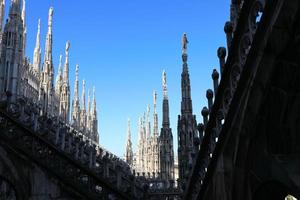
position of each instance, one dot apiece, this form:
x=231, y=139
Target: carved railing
x=239, y=39
x=66, y=153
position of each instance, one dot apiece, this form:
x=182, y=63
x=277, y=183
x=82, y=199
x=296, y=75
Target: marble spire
x=24, y=26
x=94, y=119
x=76, y=105
x=65, y=88
x=58, y=82
x=148, y=124
x=37, y=50
x=129, y=152
x=66, y=67
x=83, y=96
x=2, y=13
x=83, y=117
x=155, y=116
x=48, y=62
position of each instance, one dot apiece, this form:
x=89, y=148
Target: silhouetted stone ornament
x=205, y=111
x=221, y=52
x=228, y=28
x=200, y=127
x=215, y=75
x=209, y=94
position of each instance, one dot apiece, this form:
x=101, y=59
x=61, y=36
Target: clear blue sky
x=123, y=46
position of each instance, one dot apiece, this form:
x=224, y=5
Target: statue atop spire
x=187, y=124
x=154, y=100
x=164, y=83
x=184, y=43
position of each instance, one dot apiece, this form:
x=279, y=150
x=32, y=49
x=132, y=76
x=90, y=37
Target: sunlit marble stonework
x=35, y=80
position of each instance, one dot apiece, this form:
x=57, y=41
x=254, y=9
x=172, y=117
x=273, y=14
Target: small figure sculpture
x=184, y=43
x=67, y=46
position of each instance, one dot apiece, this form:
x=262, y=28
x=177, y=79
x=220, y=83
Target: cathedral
x=35, y=81
x=155, y=155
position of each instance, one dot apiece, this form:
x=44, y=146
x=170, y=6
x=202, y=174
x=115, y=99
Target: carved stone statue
x=67, y=46
x=184, y=43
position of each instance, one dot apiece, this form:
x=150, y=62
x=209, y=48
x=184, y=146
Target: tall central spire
x=186, y=101
x=187, y=124
x=37, y=50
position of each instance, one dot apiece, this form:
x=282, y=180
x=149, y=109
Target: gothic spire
x=94, y=120
x=59, y=77
x=94, y=109
x=48, y=47
x=166, y=120
x=76, y=96
x=155, y=117
x=88, y=112
x=83, y=96
x=2, y=10
x=166, y=138
x=141, y=129
x=37, y=50
x=129, y=153
x=186, y=101
x=66, y=67
x=148, y=125
x=76, y=106
x=83, y=117
x=24, y=25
